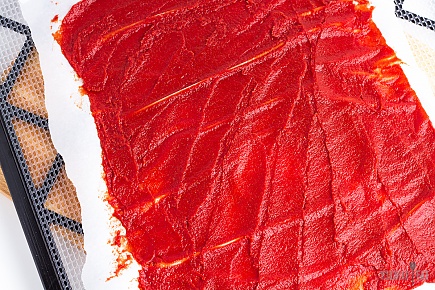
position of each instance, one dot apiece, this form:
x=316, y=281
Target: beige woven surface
x=36, y=144
x=425, y=58
x=3, y=187
x=38, y=149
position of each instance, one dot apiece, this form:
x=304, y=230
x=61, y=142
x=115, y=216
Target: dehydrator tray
x=44, y=197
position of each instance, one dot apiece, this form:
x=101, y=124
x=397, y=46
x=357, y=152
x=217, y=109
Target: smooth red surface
x=257, y=144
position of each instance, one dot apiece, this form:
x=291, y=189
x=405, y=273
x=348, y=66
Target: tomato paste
x=258, y=144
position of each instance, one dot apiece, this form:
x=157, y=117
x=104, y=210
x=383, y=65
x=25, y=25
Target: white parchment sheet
x=75, y=136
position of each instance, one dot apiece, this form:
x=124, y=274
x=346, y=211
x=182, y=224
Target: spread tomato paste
x=258, y=144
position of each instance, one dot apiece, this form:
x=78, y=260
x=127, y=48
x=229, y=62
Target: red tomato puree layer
x=258, y=144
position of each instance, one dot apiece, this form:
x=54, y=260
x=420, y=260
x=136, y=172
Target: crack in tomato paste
x=257, y=144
